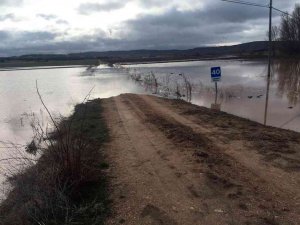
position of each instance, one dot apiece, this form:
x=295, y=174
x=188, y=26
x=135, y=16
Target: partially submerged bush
x=171, y=85
x=66, y=185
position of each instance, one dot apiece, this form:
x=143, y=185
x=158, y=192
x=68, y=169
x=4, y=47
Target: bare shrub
x=150, y=83
x=188, y=87
x=51, y=189
x=169, y=85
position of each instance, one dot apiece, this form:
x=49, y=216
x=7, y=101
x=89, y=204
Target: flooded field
x=241, y=92
x=242, y=89
x=61, y=89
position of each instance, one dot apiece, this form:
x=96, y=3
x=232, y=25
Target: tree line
x=288, y=32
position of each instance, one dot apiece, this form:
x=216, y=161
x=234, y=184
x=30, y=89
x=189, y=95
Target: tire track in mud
x=246, y=151
x=281, y=171
x=226, y=191
x=223, y=172
x=149, y=174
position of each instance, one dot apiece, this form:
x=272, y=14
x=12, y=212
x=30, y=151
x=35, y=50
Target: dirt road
x=177, y=163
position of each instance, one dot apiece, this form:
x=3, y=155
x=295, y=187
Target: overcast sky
x=63, y=26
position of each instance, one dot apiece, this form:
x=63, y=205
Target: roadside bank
x=68, y=184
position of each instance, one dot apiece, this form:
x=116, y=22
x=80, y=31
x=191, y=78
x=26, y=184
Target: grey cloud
x=10, y=2
x=217, y=22
x=88, y=8
x=226, y=12
x=51, y=17
x=9, y=16
x=285, y=5
x=187, y=29
x=80, y=45
x=17, y=43
x=60, y=21
x=21, y=39
x=47, y=16
x=37, y=36
x=45, y=42
x=152, y=3
x=4, y=36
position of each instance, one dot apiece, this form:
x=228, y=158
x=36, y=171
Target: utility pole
x=270, y=61
x=270, y=6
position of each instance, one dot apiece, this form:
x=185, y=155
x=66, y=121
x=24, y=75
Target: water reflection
x=288, y=78
x=242, y=90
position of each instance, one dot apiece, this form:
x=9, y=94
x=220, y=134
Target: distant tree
x=290, y=31
x=275, y=33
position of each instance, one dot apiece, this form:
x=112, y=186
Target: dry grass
x=66, y=185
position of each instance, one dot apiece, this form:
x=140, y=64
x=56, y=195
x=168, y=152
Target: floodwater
x=241, y=92
x=242, y=89
x=60, y=89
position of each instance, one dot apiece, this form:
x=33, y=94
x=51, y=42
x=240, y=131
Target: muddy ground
x=176, y=163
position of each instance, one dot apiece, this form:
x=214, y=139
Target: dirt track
x=176, y=163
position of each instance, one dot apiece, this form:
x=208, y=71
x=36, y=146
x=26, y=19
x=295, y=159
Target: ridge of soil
x=177, y=163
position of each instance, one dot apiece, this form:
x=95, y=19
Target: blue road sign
x=216, y=74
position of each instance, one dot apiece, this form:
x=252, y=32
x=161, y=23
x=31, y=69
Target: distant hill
x=258, y=48
x=251, y=49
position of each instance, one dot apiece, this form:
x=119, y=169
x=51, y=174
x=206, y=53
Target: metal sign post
x=216, y=77
x=216, y=97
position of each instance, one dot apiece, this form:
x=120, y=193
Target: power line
x=281, y=11
x=255, y=4
x=246, y=3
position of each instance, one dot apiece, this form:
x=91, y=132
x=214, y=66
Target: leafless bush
x=165, y=89
x=150, y=83
x=179, y=85
x=134, y=75
x=170, y=85
x=187, y=87
x=42, y=187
